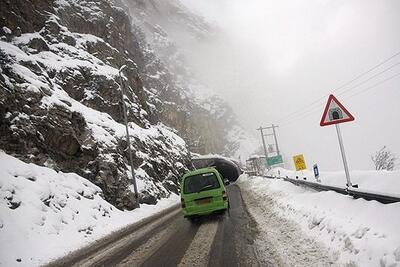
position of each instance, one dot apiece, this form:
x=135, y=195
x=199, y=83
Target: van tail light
x=183, y=203
x=224, y=195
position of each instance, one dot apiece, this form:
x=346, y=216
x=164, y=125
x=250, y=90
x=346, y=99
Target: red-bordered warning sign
x=335, y=113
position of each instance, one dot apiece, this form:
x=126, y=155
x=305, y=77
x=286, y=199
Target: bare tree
x=384, y=159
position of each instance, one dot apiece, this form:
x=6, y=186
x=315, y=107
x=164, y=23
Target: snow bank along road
x=312, y=228
x=171, y=240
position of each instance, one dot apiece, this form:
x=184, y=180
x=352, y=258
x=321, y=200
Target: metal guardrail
x=354, y=192
x=368, y=195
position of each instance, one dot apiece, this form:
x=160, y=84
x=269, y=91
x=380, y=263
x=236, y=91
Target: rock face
x=60, y=98
x=205, y=121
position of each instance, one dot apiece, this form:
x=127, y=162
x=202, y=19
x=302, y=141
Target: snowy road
x=171, y=240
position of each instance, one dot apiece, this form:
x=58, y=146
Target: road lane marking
x=199, y=250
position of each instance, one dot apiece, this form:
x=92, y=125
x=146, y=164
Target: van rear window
x=200, y=182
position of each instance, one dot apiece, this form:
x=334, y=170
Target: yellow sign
x=299, y=162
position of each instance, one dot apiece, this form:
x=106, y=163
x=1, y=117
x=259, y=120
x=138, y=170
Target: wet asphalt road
x=229, y=236
x=171, y=240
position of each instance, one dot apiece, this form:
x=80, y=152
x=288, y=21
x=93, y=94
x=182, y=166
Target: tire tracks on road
x=168, y=239
x=169, y=252
x=198, y=253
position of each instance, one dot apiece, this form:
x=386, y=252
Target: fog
x=272, y=59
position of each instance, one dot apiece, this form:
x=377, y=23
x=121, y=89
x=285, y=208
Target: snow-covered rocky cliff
x=60, y=94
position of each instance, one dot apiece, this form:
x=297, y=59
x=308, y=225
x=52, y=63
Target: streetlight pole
x=127, y=134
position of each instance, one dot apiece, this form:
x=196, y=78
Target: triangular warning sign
x=335, y=113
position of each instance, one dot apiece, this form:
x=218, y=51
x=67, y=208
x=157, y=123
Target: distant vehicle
x=203, y=192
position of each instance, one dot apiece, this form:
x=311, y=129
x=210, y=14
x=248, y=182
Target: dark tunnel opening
x=228, y=169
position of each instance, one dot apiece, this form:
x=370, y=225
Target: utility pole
x=263, y=141
x=127, y=134
x=274, y=134
x=276, y=140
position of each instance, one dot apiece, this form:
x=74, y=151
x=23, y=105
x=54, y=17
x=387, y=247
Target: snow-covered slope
x=355, y=231
x=44, y=213
x=60, y=98
x=61, y=108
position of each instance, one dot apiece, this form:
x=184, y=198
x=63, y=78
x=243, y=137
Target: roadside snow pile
x=45, y=214
x=360, y=232
x=376, y=181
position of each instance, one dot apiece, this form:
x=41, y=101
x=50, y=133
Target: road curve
x=170, y=240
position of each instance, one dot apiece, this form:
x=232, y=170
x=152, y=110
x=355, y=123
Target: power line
x=373, y=86
x=340, y=87
x=370, y=78
x=306, y=114
x=368, y=71
x=300, y=113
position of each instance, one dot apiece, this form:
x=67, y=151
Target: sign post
x=299, y=162
x=346, y=168
x=336, y=113
x=316, y=172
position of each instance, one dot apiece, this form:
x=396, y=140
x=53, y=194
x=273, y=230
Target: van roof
x=199, y=171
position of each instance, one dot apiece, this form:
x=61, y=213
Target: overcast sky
x=272, y=59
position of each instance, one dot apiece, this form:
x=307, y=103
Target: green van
x=203, y=192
